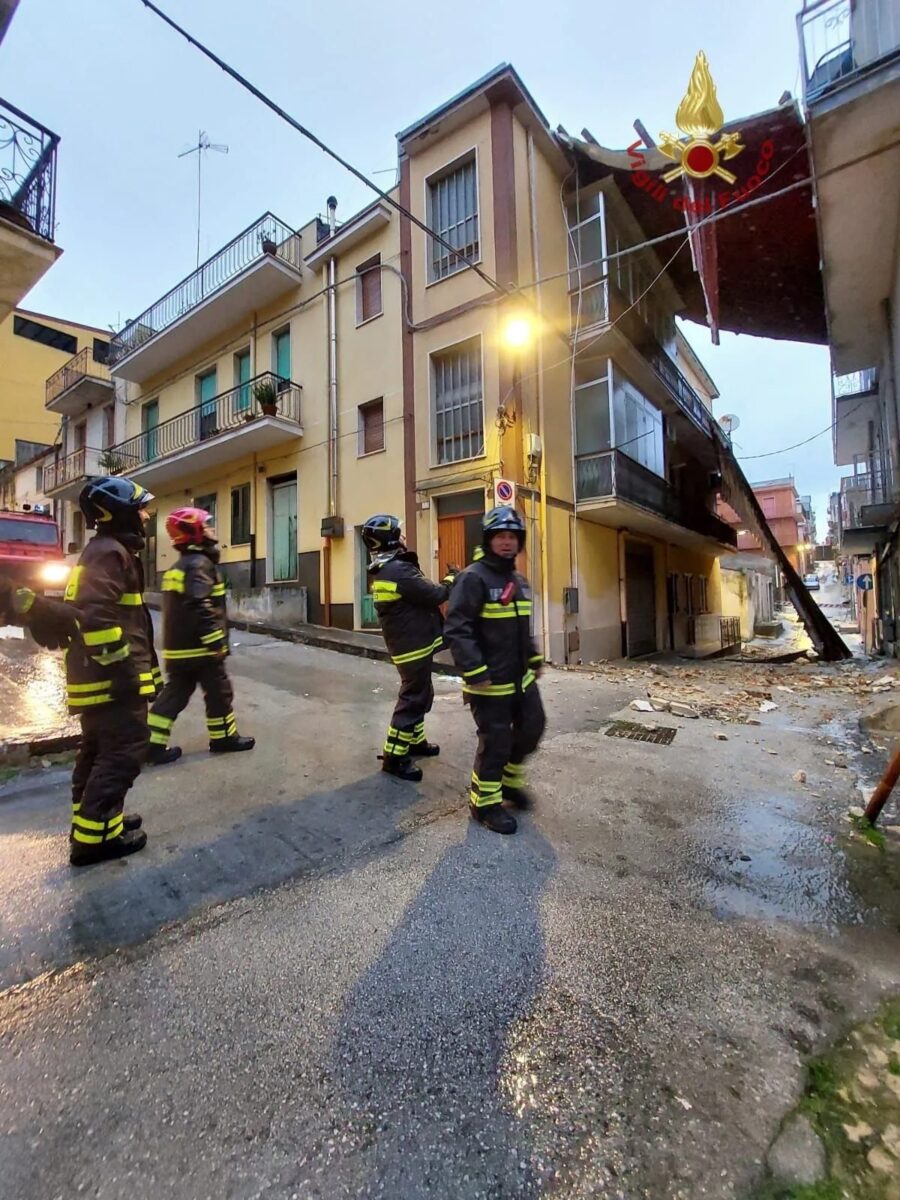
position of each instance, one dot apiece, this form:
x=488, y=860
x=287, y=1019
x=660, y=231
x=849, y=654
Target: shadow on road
x=418, y=1057
x=74, y=915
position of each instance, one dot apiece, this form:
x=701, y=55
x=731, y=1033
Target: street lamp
x=518, y=331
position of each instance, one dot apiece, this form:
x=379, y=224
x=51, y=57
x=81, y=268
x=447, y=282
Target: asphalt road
x=319, y=982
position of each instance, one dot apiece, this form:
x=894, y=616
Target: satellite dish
x=729, y=423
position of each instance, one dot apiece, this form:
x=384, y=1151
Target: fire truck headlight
x=55, y=573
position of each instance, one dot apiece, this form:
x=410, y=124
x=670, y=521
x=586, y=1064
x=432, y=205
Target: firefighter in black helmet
x=488, y=629
x=111, y=670
x=408, y=607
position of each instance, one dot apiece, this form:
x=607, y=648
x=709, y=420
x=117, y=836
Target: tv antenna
x=203, y=144
x=729, y=423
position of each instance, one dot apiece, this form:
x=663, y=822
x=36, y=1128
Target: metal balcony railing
x=229, y=410
x=709, y=627
x=267, y=236
x=856, y=383
x=78, y=465
x=28, y=170
x=613, y=474
x=82, y=366
x=839, y=38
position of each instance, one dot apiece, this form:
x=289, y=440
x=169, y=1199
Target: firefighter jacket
x=488, y=627
x=113, y=657
x=195, y=625
x=408, y=607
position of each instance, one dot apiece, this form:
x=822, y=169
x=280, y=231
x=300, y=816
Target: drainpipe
x=542, y=470
x=332, y=408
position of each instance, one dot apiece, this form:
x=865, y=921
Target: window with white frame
x=638, y=426
x=587, y=250
x=458, y=400
x=453, y=216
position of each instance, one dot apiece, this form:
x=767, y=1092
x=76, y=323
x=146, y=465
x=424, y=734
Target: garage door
x=640, y=599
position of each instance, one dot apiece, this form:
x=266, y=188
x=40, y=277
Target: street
x=319, y=981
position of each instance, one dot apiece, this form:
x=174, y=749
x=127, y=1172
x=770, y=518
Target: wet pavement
x=32, y=689
x=319, y=982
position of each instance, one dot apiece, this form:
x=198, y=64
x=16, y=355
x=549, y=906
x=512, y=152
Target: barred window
x=453, y=215
x=458, y=402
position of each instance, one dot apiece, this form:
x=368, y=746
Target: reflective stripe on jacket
x=113, y=657
x=488, y=627
x=195, y=624
x=408, y=607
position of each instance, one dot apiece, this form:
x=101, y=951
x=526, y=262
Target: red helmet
x=186, y=526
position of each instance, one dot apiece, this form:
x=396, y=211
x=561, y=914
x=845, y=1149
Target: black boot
x=519, y=798
x=402, y=768
x=158, y=756
x=132, y=821
x=231, y=745
x=83, y=855
x=424, y=750
x=494, y=817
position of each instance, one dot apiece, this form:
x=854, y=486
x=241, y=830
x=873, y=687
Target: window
x=368, y=290
x=453, y=215
x=101, y=351
x=109, y=426
x=592, y=417
x=638, y=427
x=240, y=515
x=768, y=506
x=281, y=354
x=241, y=377
x=210, y=503
x=371, y=427
x=703, y=586
x=45, y=334
x=39, y=479
x=458, y=402
x=206, y=398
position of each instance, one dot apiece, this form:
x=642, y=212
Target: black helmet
x=500, y=519
x=114, y=501
x=381, y=532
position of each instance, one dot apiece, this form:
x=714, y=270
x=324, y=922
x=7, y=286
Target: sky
x=127, y=95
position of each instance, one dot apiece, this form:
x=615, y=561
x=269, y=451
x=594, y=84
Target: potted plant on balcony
x=266, y=397
x=111, y=463
x=267, y=241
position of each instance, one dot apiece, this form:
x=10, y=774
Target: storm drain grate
x=662, y=735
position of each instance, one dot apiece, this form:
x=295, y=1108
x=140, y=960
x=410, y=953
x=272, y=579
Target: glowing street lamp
x=518, y=331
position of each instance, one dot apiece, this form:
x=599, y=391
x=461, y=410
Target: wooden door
x=451, y=543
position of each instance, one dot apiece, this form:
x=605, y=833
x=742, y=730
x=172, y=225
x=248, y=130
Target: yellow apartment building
x=304, y=378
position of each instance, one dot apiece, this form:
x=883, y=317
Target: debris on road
x=799, y=777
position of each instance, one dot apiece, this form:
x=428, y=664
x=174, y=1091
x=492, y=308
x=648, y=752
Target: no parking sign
x=505, y=492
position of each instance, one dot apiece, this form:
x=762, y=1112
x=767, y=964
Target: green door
x=284, y=531
x=206, y=395
x=368, y=617
x=242, y=375
x=149, y=422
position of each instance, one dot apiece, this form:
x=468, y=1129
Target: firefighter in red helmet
x=195, y=640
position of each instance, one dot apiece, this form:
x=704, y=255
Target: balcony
x=67, y=476
x=612, y=489
x=214, y=433
x=841, y=40
x=27, y=204
x=854, y=405
x=254, y=269
x=78, y=385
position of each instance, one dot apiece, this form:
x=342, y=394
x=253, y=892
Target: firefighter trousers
x=509, y=729
x=181, y=680
x=407, y=727
x=114, y=739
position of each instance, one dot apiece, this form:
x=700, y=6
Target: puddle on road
x=775, y=858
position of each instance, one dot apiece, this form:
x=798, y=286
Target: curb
x=17, y=754
x=323, y=641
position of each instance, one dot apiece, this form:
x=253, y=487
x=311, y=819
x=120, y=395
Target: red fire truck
x=31, y=550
